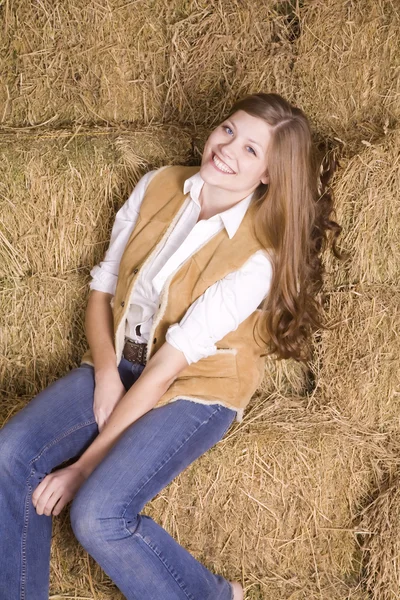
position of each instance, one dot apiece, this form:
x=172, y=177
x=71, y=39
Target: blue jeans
x=142, y=559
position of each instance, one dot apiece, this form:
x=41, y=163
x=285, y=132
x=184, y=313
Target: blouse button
x=135, y=271
x=122, y=303
x=155, y=340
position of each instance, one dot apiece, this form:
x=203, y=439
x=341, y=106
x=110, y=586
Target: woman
x=208, y=270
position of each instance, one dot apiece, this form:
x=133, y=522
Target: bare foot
x=237, y=590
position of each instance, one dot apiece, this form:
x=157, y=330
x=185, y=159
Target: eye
x=252, y=150
x=225, y=127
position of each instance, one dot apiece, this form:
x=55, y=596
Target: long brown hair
x=292, y=218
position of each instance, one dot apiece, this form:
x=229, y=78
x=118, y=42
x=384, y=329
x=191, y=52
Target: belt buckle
x=138, y=349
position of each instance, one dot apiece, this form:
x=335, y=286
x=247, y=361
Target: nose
x=228, y=149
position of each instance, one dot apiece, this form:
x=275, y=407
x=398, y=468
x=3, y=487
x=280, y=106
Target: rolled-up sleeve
x=222, y=308
x=105, y=274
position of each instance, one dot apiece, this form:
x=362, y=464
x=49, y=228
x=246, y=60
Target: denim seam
x=28, y=499
x=155, y=551
x=162, y=464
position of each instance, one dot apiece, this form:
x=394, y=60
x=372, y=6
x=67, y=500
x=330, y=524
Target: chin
x=211, y=178
x=208, y=173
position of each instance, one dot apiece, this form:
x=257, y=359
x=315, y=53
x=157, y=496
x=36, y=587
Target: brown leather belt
x=135, y=352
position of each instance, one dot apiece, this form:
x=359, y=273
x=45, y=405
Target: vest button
x=155, y=340
x=122, y=303
x=135, y=271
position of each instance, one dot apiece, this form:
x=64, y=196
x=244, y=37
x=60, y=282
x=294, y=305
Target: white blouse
x=222, y=307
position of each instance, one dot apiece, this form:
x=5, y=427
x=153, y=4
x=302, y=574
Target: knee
x=94, y=520
x=84, y=519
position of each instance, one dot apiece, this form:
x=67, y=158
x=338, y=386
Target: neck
x=217, y=199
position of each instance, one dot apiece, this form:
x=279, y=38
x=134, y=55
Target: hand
x=108, y=391
x=56, y=490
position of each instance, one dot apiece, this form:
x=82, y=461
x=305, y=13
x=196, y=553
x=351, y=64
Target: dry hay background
x=300, y=500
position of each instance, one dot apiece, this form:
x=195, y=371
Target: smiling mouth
x=220, y=165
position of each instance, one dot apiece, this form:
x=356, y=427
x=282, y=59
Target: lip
x=215, y=166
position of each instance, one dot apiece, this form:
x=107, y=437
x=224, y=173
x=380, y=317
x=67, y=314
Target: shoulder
x=142, y=186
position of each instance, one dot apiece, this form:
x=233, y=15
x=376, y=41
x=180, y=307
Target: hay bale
x=347, y=68
x=358, y=360
x=60, y=192
x=113, y=62
x=220, y=53
x=382, y=545
x=42, y=324
x=368, y=208
x=147, y=61
x=82, y=61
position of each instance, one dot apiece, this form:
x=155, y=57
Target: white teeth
x=221, y=165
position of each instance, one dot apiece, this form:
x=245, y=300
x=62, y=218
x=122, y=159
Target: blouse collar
x=232, y=217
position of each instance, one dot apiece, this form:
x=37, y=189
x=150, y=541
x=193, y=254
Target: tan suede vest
x=232, y=375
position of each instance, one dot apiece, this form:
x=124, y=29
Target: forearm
x=99, y=329
x=158, y=374
x=139, y=399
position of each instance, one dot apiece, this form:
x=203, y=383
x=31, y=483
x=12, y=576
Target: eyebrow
x=252, y=141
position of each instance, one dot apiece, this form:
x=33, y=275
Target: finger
x=39, y=490
x=63, y=501
x=43, y=498
x=42, y=502
x=51, y=503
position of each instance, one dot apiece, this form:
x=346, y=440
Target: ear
x=265, y=178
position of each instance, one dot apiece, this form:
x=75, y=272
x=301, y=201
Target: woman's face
x=235, y=154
